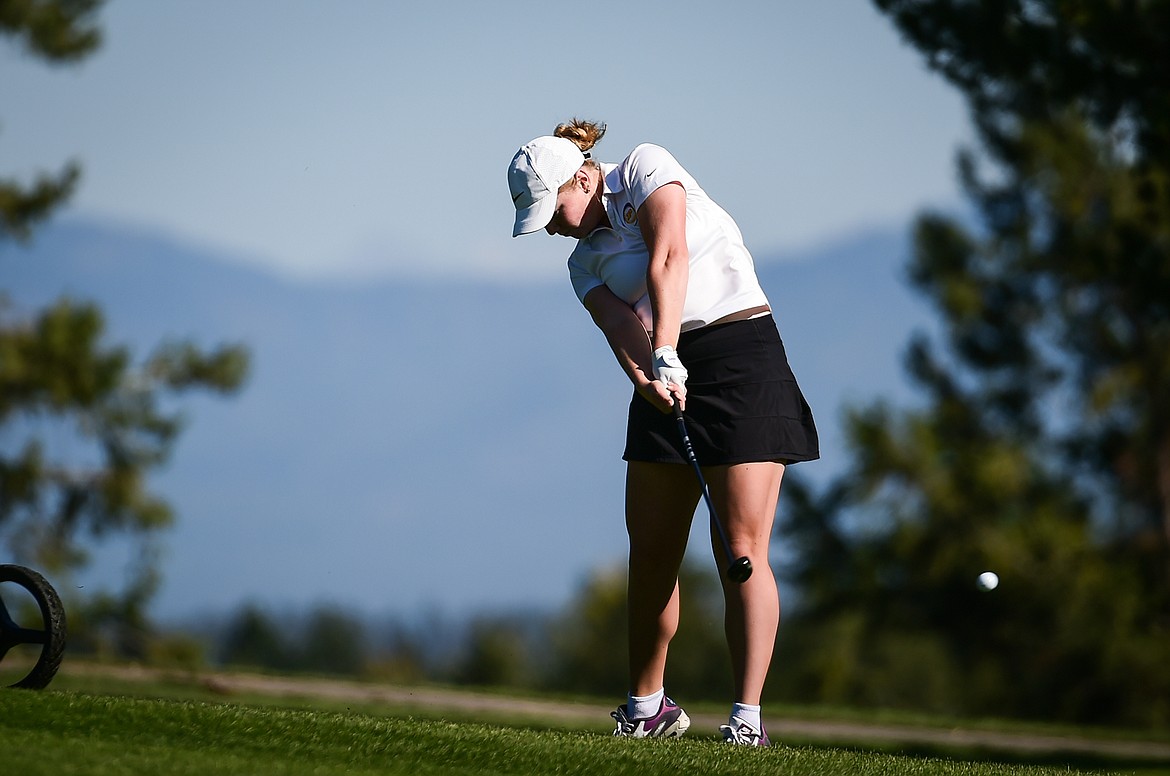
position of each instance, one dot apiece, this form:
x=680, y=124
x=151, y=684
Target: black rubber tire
x=52, y=620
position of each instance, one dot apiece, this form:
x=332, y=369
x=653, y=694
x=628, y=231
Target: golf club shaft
x=690, y=451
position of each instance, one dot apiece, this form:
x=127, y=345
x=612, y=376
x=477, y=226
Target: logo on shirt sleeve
x=629, y=215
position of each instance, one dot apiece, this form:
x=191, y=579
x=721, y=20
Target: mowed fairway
x=58, y=733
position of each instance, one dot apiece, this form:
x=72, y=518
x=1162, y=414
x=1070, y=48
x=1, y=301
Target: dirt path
x=827, y=731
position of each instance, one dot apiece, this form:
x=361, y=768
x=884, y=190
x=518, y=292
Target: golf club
x=740, y=569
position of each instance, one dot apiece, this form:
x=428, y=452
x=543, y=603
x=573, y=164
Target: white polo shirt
x=722, y=274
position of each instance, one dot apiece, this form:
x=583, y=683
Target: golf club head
x=740, y=570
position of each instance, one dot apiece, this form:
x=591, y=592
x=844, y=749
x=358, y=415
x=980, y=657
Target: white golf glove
x=669, y=369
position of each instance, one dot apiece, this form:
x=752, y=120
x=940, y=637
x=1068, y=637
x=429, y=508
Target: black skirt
x=743, y=403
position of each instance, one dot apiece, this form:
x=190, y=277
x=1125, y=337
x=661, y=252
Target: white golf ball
x=988, y=580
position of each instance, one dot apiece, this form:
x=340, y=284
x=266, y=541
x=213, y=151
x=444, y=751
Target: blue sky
x=366, y=139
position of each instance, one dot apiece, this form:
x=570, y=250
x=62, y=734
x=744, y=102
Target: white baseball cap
x=537, y=171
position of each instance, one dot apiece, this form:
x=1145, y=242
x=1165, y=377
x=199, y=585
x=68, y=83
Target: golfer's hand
x=670, y=380
x=657, y=394
x=670, y=370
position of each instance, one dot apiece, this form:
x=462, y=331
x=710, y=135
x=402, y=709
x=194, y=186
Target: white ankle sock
x=645, y=707
x=749, y=714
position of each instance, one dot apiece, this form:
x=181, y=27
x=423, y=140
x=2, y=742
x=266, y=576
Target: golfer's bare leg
x=745, y=497
x=660, y=502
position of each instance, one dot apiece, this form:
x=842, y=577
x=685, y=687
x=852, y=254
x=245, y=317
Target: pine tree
x=1042, y=447
x=83, y=422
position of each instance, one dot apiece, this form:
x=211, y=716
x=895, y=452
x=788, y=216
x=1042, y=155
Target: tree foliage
x=326, y=639
x=57, y=31
x=81, y=425
x=254, y=639
x=1042, y=447
x=579, y=649
x=589, y=640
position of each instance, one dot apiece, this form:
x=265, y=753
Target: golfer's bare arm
x=663, y=221
x=627, y=338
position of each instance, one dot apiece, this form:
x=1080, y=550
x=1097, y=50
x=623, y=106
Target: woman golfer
x=665, y=275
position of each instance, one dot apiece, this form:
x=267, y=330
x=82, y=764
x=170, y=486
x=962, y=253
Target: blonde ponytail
x=584, y=134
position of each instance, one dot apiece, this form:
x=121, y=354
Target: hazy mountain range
x=403, y=444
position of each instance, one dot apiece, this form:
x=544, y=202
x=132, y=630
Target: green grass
x=67, y=732
x=189, y=684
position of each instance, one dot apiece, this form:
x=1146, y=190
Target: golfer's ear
x=582, y=179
